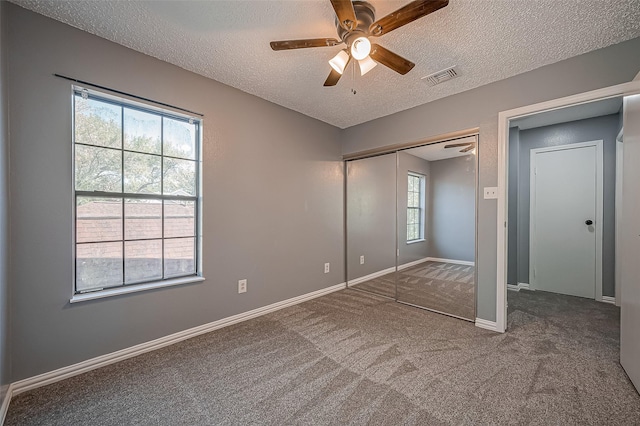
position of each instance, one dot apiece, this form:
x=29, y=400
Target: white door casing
x=504, y=118
x=566, y=191
x=618, y=225
x=630, y=253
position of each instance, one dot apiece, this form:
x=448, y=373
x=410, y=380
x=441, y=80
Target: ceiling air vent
x=441, y=76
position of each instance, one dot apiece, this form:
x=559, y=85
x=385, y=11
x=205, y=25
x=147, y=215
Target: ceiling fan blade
x=390, y=59
x=303, y=44
x=345, y=13
x=333, y=78
x=469, y=148
x=457, y=145
x=409, y=13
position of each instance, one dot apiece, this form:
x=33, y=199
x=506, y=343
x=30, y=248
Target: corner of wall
x=4, y=215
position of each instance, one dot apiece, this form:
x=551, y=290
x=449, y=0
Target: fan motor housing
x=365, y=16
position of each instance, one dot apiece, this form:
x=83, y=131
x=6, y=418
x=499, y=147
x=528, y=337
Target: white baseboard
x=101, y=361
x=6, y=392
x=455, y=262
x=407, y=265
x=487, y=325
x=518, y=287
x=609, y=299
x=414, y=263
x=371, y=276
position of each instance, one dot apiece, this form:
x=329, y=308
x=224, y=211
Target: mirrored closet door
x=437, y=227
x=371, y=224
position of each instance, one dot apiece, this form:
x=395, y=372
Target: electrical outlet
x=362, y=260
x=327, y=268
x=242, y=286
x=490, y=192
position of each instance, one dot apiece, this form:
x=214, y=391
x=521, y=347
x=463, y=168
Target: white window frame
x=421, y=208
x=197, y=276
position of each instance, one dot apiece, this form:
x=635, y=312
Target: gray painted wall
x=4, y=214
x=512, y=261
x=272, y=196
x=371, y=215
x=600, y=128
x=479, y=108
x=279, y=241
x=418, y=250
x=452, y=208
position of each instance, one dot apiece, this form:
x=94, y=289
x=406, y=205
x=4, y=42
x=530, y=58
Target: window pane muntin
x=186, y=179
x=179, y=218
x=98, y=265
x=179, y=257
x=415, y=206
x=97, y=123
x=98, y=169
x=413, y=199
x=142, y=131
x=142, y=173
x=98, y=219
x=413, y=216
x=412, y=232
x=142, y=261
x=179, y=177
x=142, y=218
x=179, y=138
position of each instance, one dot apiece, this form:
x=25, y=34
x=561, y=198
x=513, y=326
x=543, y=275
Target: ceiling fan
x=468, y=146
x=356, y=24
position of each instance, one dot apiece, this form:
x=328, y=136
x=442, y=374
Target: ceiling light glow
x=360, y=48
x=366, y=65
x=339, y=62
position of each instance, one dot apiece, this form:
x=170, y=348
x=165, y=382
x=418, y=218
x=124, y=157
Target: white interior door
x=565, y=218
x=630, y=253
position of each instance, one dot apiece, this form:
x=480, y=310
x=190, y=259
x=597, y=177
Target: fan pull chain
x=353, y=78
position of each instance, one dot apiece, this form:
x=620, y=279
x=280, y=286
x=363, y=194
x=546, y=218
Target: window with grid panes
x=415, y=207
x=136, y=193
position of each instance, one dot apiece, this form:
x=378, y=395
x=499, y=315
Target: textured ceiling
x=437, y=151
x=228, y=41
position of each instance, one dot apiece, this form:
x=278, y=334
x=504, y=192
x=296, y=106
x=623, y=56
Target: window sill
x=422, y=240
x=82, y=297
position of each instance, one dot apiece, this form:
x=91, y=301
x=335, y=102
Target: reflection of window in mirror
x=415, y=207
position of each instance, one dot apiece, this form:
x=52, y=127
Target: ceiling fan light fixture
x=339, y=62
x=360, y=48
x=366, y=65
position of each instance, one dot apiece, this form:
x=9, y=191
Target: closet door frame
x=395, y=148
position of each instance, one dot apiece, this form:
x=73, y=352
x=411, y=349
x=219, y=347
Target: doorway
x=504, y=223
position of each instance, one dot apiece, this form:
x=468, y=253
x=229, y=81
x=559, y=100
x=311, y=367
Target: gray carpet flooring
x=384, y=285
x=355, y=358
x=444, y=287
